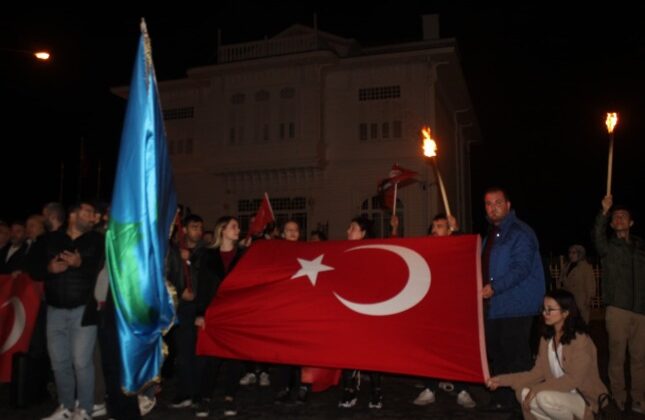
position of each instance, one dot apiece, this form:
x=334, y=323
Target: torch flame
x=611, y=121
x=429, y=145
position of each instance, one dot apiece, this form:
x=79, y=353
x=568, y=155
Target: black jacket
x=73, y=287
x=210, y=276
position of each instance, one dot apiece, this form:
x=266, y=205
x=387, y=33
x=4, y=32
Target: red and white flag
x=400, y=177
x=19, y=303
x=263, y=217
x=408, y=306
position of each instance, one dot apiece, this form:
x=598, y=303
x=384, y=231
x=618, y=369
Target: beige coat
x=581, y=282
x=580, y=367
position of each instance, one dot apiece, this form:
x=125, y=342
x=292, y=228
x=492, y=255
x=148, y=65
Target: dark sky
x=541, y=79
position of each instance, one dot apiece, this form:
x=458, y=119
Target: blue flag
x=144, y=203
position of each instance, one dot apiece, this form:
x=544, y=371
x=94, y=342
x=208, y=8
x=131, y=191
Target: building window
x=373, y=131
x=378, y=93
x=380, y=215
x=262, y=96
x=287, y=93
x=284, y=209
x=237, y=99
x=292, y=130
x=385, y=130
x=178, y=113
x=397, y=129
x=188, y=148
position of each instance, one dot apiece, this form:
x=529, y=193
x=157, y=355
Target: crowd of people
x=77, y=330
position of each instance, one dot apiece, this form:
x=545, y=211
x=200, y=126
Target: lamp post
x=41, y=55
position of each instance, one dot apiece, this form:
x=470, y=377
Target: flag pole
x=610, y=121
x=396, y=190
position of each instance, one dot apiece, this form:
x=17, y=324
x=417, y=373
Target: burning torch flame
x=611, y=121
x=429, y=145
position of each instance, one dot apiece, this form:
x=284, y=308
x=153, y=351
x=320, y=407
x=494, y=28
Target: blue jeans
x=71, y=350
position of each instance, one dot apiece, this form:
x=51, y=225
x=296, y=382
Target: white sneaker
x=425, y=397
x=81, y=414
x=99, y=410
x=264, y=379
x=248, y=379
x=146, y=404
x=465, y=400
x=61, y=413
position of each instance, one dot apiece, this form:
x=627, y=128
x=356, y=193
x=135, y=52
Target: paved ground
x=257, y=403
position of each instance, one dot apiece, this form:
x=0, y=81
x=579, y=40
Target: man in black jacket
x=72, y=260
x=183, y=261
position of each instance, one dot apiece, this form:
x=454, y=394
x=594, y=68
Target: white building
x=317, y=121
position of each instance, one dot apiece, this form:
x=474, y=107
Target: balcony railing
x=267, y=48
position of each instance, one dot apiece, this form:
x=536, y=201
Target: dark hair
x=439, y=216
x=364, y=223
x=56, y=209
x=321, y=235
x=495, y=189
x=620, y=207
x=192, y=218
x=78, y=204
x=573, y=324
x=20, y=222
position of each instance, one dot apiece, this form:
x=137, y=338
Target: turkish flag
x=262, y=217
x=408, y=306
x=19, y=303
x=398, y=175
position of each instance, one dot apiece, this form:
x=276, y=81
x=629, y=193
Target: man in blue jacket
x=513, y=291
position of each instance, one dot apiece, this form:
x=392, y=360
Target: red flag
x=408, y=306
x=262, y=217
x=398, y=175
x=19, y=303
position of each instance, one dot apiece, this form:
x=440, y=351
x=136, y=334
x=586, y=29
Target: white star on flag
x=311, y=268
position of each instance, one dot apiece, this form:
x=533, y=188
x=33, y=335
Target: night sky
x=541, y=79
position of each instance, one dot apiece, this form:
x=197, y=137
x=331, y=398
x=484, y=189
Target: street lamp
x=41, y=55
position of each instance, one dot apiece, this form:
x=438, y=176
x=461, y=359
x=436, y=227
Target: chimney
x=430, y=27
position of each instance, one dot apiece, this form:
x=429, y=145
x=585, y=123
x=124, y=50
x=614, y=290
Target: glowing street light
x=41, y=55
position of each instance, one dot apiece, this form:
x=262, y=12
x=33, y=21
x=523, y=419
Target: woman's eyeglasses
x=549, y=310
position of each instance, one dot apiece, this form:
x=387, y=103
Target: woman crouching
x=564, y=383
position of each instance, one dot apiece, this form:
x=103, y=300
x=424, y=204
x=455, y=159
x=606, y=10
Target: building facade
x=316, y=121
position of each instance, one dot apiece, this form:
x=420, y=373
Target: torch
x=611, y=121
x=430, y=151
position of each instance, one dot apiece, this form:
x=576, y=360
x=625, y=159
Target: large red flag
x=262, y=217
x=408, y=306
x=19, y=303
x=398, y=175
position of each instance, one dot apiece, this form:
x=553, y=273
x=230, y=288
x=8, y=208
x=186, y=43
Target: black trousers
x=509, y=350
x=209, y=368
x=185, y=338
x=119, y=405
